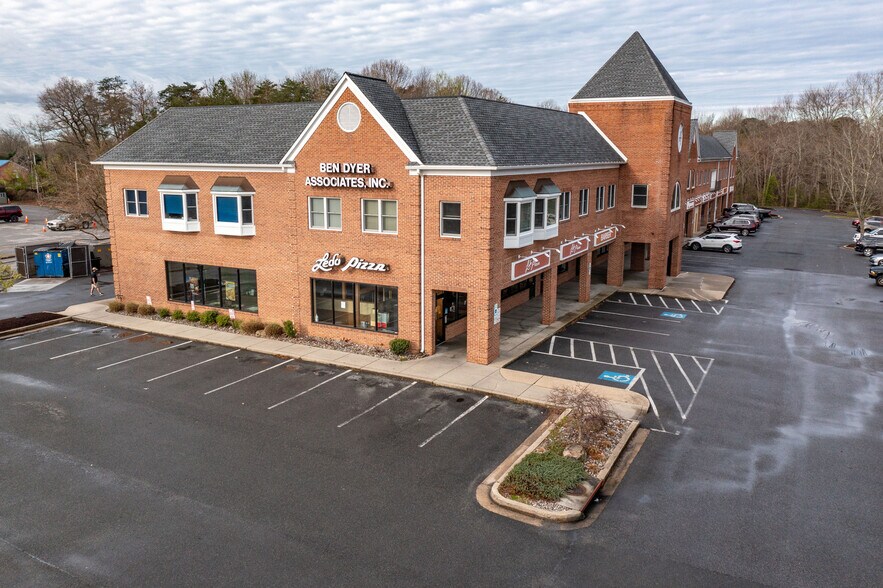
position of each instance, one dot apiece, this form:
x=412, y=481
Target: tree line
x=79, y=120
x=820, y=149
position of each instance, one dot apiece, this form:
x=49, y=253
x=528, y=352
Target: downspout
x=422, y=267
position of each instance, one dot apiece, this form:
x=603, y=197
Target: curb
x=34, y=327
x=572, y=514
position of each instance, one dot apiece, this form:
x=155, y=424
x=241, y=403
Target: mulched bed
x=27, y=320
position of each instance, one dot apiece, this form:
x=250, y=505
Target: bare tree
x=75, y=110
x=319, y=81
x=589, y=412
x=864, y=95
x=550, y=104
x=395, y=72
x=243, y=85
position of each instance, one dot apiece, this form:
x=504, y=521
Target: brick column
x=585, y=277
x=658, y=263
x=637, y=257
x=615, y=262
x=429, y=323
x=482, y=335
x=550, y=294
x=677, y=250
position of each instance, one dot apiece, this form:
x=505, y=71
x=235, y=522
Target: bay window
x=233, y=200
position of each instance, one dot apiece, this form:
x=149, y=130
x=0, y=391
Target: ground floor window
x=360, y=306
x=210, y=285
x=528, y=284
x=455, y=306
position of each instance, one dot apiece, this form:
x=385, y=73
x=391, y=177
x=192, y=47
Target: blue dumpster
x=51, y=262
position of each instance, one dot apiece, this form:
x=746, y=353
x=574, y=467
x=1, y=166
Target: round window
x=348, y=117
x=680, y=137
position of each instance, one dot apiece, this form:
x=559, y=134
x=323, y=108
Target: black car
x=876, y=274
x=868, y=245
x=762, y=213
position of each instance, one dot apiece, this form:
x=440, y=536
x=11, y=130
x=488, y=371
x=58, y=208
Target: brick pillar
x=615, y=262
x=550, y=294
x=637, y=257
x=677, y=249
x=585, y=277
x=482, y=335
x=429, y=323
x=658, y=264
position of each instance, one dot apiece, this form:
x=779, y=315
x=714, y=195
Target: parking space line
x=272, y=367
x=364, y=412
x=612, y=353
x=194, y=365
x=94, y=347
x=650, y=305
x=683, y=373
x=668, y=385
x=696, y=305
x=572, y=354
x=649, y=318
x=639, y=348
x=583, y=359
x=591, y=345
x=142, y=355
x=647, y=299
x=699, y=365
x=446, y=427
x=652, y=403
x=662, y=300
x=298, y=395
x=678, y=300
x=633, y=298
x=622, y=329
x=55, y=338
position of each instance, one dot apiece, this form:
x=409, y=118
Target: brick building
x=367, y=217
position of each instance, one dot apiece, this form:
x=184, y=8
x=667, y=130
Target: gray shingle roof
x=253, y=134
x=446, y=133
x=711, y=149
x=632, y=72
x=387, y=102
x=727, y=139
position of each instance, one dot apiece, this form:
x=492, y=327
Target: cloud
x=720, y=55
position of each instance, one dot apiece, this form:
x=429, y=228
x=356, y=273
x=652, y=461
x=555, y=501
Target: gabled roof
x=257, y=134
x=633, y=71
x=710, y=149
x=727, y=139
x=387, y=102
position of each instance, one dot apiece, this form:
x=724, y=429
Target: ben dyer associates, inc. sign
x=340, y=179
x=328, y=262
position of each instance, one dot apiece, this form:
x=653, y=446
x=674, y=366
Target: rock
x=575, y=451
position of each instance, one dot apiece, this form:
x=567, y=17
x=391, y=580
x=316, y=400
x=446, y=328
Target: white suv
x=724, y=242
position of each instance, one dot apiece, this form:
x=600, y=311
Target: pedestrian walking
x=94, y=277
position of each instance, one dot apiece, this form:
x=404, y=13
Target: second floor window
x=136, y=202
x=599, y=199
x=450, y=219
x=564, y=208
x=584, y=202
x=611, y=195
x=380, y=216
x=180, y=206
x=325, y=213
x=639, y=195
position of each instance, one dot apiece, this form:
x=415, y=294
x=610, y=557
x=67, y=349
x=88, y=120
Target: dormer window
x=519, y=202
x=178, y=197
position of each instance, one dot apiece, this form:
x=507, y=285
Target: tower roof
x=633, y=71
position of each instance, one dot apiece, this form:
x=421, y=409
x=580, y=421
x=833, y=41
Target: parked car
x=869, y=244
x=10, y=213
x=68, y=221
x=761, y=212
x=877, y=259
x=723, y=241
x=749, y=213
x=871, y=223
x=738, y=224
x=876, y=274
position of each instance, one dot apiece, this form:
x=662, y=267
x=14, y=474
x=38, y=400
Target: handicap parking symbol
x=675, y=315
x=616, y=377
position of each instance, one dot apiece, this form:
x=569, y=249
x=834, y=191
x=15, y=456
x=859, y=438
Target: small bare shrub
x=589, y=412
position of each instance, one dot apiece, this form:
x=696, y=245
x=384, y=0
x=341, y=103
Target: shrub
x=547, y=476
x=208, y=317
x=222, y=320
x=131, y=307
x=290, y=331
x=146, y=310
x=589, y=413
x=399, y=346
x=252, y=327
x=192, y=316
x=237, y=324
x=115, y=306
x=163, y=312
x=273, y=330
x=178, y=314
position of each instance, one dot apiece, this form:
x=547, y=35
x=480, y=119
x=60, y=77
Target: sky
x=721, y=54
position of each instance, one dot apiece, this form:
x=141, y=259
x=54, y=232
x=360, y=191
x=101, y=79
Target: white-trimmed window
x=546, y=217
x=584, y=202
x=450, y=220
x=519, y=222
x=611, y=196
x=676, y=197
x=599, y=198
x=325, y=213
x=136, y=202
x=689, y=180
x=234, y=214
x=564, y=207
x=179, y=211
x=380, y=216
x=639, y=195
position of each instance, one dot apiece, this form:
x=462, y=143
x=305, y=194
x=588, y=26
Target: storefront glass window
x=387, y=309
x=229, y=287
x=211, y=280
x=323, y=302
x=344, y=307
x=177, y=290
x=209, y=285
x=363, y=306
x=193, y=278
x=367, y=311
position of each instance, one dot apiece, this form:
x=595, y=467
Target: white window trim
x=677, y=190
x=238, y=229
x=126, y=204
x=611, y=196
x=380, y=230
x=178, y=225
x=441, y=219
x=519, y=239
x=647, y=196
x=564, y=196
x=547, y=231
x=324, y=200
x=599, y=191
x=580, y=201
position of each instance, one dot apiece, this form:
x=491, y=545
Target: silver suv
x=741, y=224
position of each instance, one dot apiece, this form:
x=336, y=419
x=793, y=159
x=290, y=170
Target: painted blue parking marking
x=675, y=315
x=616, y=377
